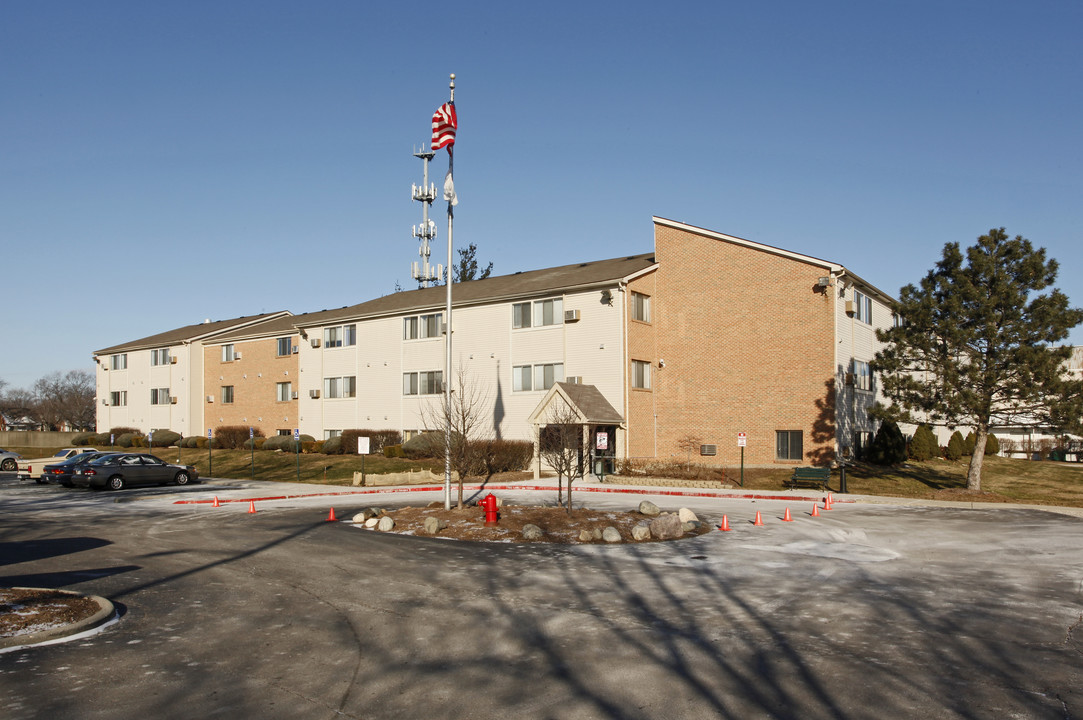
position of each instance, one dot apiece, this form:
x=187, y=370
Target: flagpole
x=447, y=331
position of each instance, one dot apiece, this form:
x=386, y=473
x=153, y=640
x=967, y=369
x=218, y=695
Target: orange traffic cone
x=759, y=520
x=252, y=507
x=216, y=504
x=815, y=510
x=725, y=526
x=786, y=517
x=827, y=502
x=331, y=517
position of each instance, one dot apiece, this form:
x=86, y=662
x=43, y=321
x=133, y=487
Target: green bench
x=810, y=476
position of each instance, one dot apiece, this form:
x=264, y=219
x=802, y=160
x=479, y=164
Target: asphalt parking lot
x=866, y=611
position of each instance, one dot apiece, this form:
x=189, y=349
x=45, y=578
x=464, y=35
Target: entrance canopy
x=585, y=401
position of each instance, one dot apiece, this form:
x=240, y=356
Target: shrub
x=100, y=440
x=201, y=442
x=507, y=455
x=955, y=446
x=992, y=445
x=888, y=447
x=923, y=446
x=256, y=442
x=333, y=445
x=425, y=445
x=969, y=442
x=192, y=441
x=165, y=438
x=118, y=431
x=394, y=451
x=139, y=441
x=81, y=439
x=125, y=440
x=378, y=439
x=278, y=442
x=309, y=446
x=233, y=436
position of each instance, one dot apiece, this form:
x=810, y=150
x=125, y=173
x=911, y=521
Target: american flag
x=444, y=123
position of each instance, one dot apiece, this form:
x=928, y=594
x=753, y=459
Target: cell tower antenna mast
x=423, y=272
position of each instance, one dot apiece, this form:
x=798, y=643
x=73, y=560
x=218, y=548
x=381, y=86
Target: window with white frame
x=520, y=315
x=862, y=375
x=423, y=383
x=641, y=375
x=340, y=387
x=549, y=312
x=228, y=354
x=159, y=357
x=788, y=445
x=118, y=362
x=118, y=398
x=227, y=394
x=285, y=346
x=328, y=434
x=420, y=327
x=862, y=307
x=641, y=307
x=340, y=336
x=159, y=396
x=536, y=377
x=284, y=391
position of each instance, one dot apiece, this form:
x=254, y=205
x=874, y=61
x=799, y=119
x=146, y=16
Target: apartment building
x=707, y=339
x=157, y=382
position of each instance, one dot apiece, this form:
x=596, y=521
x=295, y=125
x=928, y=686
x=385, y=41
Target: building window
x=340, y=387
x=862, y=440
x=159, y=396
x=538, y=313
x=328, y=434
x=118, y=399
x=788, y=445
x=284, y=391
x=641, y=374
x=862, y=375
x=159, y=357
x=228, y=354
x=283, y=432
x=421, y=327
x=423, y=383
x=118, y=362
x=641, y=307
x=863, y=307
x=227, y=394
x=285, y=346
x=536, y=377
x=340, y=336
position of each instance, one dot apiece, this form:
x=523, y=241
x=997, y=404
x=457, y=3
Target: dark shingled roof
x=187, y=333
x=591, y=403
x=493, y=289
x=275, y=327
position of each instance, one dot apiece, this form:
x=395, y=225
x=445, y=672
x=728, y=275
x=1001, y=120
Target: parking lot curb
x=105, y=613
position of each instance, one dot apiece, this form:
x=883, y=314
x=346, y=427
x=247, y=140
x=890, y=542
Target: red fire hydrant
x=488, y=504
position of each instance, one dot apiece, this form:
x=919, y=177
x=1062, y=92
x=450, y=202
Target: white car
x=9, y=460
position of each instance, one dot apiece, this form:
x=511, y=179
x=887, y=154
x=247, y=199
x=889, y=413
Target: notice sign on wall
x=742, y=439
x=601, y=441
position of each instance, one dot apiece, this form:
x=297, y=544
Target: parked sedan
x=9, y=461
x=61, y=472
x=118, y=471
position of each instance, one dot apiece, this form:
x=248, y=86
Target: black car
x=61, y=472
x=118, y=471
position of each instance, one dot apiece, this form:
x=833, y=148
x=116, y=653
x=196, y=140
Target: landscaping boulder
x=687, y=515
x=532, y=532
x=597, y=532
x=434, y=525
x=385, y=524
x=585, y=536
x=372, y=522
x=666, y=527
x=641, y=532
x=648, y=508
x=611, y=535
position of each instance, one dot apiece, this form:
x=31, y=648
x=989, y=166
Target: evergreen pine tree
x=955, y=446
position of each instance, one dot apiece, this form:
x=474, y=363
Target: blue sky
x=162, y=163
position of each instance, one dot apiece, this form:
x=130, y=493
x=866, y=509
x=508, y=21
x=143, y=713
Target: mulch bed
x=24, y=611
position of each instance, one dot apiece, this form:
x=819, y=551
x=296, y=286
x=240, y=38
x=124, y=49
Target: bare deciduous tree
x=563, y=445
x=467, y=415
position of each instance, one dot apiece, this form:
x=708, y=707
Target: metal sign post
x=297, y=450
x=742, y=440
x=210, y=456
x=252, y=445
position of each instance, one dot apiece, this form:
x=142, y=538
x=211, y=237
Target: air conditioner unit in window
x=314, y=394
x=296, y=349
x=210, y=398
x=173, y=400
x=172, y=360
x=315, y=342
x=850, y=309
x=105, y=401
x=574, y=379
x=571, y=316
x=708, y=449
x=236, y=356
x=293, y=395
